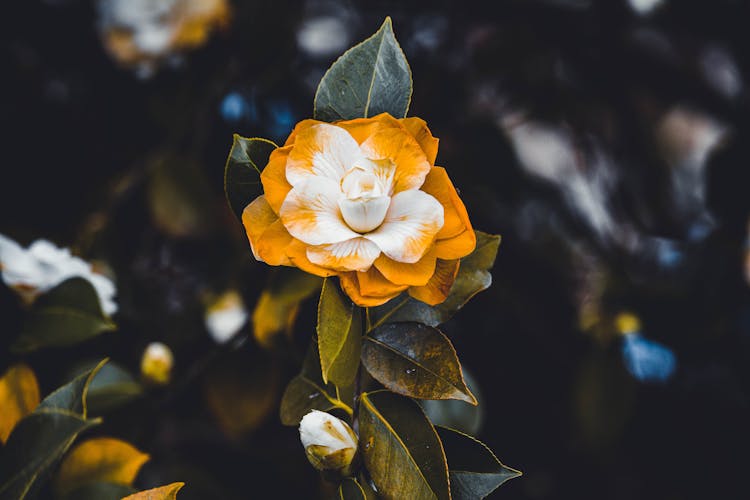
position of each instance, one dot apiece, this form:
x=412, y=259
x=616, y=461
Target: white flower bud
x=225, y=317
x=156, y=363
x=330, y=444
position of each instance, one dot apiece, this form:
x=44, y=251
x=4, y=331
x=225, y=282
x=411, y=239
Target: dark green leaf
x=72, y=396
x=36, y=444
x=112, y=386
x=400, y=448
x=415, y=360
x=473, y=277
x=100, y=491
x=456, y=414
x=475, y=471
x=350, y=489
x=307, y=391
x=67, y=314
x=372, y=77
x=339, y=335
x=247, y=158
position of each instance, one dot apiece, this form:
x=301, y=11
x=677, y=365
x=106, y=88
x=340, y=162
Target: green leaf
x=247, y=158
x=372, y=77
x=111, y=387
x=307, y=392
x=35, y=445
x=473, y=277
x=67, y=314
x=475, y=471
x=350, y=489
x=339, y=335
x=415, y=360
x=100, y=491
x=455, y=414
x=42, y=437
x=72, y=397
x=400, y=448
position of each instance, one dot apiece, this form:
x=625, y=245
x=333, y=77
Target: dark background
x=81, y=136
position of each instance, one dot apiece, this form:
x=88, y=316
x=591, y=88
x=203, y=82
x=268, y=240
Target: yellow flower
x=362, y=200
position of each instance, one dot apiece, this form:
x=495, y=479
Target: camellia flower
x=43, y=266
x=362, y=200
x=330, y=444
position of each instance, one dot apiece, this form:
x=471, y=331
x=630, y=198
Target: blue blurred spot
x=668, y=253
x=646, y=360
x=281, y=119
x=235, y=107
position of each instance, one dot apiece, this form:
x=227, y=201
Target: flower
x=225, y=316
x=330, y=444
x=156, y=363
x=43, y=266
x=362, y=200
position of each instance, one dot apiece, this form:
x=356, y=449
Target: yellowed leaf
x=19, y=395
x=100, y=459
x=168, y=492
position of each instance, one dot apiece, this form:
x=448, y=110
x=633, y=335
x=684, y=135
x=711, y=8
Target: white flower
x=330, y=444
x=43, y=266
x=225, y=317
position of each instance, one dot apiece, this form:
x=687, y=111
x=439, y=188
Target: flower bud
x=330, y=444
x=156, y=363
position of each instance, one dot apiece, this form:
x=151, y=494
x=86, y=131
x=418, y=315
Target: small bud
x=330, y=444
x=627, y=322
x=156, y=363
x=225, y=317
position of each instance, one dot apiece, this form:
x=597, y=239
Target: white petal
x=311, y=212
x=322, y=150
x=356, y=254
x=413, y=219
x=106, y=291
x=17, y=264
x=322, y=429
x=365, y=214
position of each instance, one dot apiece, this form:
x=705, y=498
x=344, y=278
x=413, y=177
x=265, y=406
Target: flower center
x=365, y=201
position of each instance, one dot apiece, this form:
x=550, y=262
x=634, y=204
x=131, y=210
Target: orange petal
x=417, y=127
x=373, y=284
x=257, y=217
x=417, y=274
x=273, y=244
x=297, y=252
x=437, y=289
x=351, y=285
x=362, y=128
x=456, y=219
x=456, y=247
x=301, y=126
x=397, y=145
x=351, y=255
x=273, y=178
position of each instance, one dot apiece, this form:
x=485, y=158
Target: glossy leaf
x=168, y=492
x=372, y=77
x=401, y=449
x=307, y=392
x=350, y=489
x=458, y=415
x=473, y=277
x=19, y=395
x=36, y=444
x=72, y=396
x=67, y=314
x=277, y=307
x=112, y=387
x=475, y=471
x=101, y=459
x=339, y=335
x=247, y=158
x=415, y=360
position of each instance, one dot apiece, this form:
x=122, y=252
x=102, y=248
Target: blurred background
x=607, y=142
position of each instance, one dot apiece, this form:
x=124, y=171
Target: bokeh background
x=608, y=142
